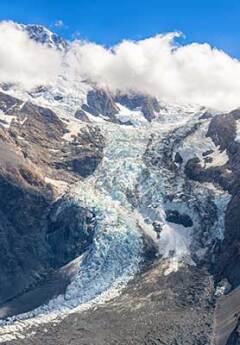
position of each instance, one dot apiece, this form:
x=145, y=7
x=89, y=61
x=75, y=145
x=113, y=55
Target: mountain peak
x=41, y=34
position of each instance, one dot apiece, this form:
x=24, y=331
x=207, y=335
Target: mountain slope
x=107, y=193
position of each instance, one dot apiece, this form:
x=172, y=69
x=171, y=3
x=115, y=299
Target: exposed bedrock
x=23, y=254
x=69, y=231
x=216, y=175
x=100, y=102
x=228, y=252
x=173, y=216
x=39, y=135
x=37, y=236
x=82, y=116
x=148, y=105
x=223, y=131
x=37, y=239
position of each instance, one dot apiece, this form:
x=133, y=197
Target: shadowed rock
x=34, y=241
x=148, y=105
x=82, y=116
x=174, y=216
x=100, y=102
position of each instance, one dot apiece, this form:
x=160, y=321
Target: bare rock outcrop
x=36, y=159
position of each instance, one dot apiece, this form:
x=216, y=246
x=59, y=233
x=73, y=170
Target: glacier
x=127, y=193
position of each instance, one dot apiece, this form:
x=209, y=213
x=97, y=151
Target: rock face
x=228, y=253
x=173, y=216
x=23, y=253
x=82, y=116
x=148, y=105
x=37, y=238
x=222, y=131
x=196, y=172
x=9, y=104
x=100, y=102
x=83, y=154
x=42, y=35
x=69, y=232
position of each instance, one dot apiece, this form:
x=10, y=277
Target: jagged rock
x=8, y=104
x=216, y=175
x=83, y=166
x=205, y=116
x=38, y=133
x=100, y=102
x=148, y=105
x=234, y=338
x=68, y=239
x=228, y=251
x=223, y=288
x=206, y=153
x=178, y=158
x=193, y=169
x=42, y=35
x=33, y=243
x=226, y=319
x=222, y=130
x=83, y=154
x=22, y=252
x=82, y=116
x=208, y=159
x=174, y=216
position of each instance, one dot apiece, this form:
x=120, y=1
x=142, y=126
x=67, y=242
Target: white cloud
x=23, y=60
x=193, y=73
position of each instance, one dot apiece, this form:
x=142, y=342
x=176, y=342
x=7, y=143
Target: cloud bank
x=192, y=73
x=24, y=61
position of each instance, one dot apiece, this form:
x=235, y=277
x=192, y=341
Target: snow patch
x=126, y=115
x=218, y=157
x=197, y=144
x=175, y=242
x=6, y=120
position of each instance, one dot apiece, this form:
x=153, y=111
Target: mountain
x=120, y=216
x=44, y=36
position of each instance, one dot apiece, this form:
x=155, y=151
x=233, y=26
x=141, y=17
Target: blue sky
x=108, y=22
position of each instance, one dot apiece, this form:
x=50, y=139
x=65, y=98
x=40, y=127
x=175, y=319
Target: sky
x=108, y=22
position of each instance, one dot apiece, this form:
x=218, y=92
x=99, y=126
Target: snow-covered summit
x=41, y=34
